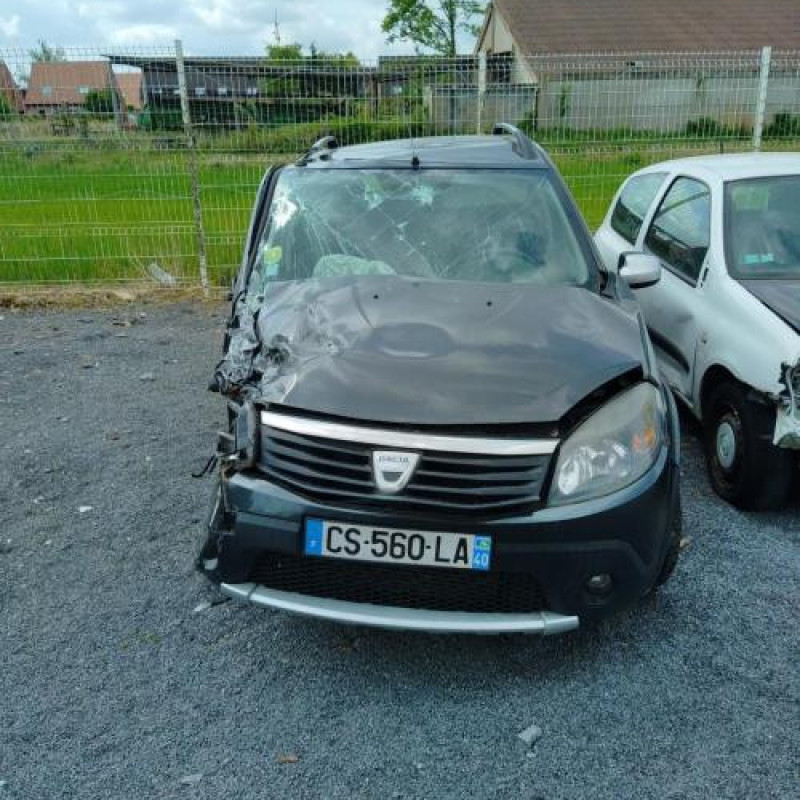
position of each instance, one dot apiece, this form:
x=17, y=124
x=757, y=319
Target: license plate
x=387, y=545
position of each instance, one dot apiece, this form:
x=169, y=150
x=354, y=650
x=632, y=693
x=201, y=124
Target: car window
x=470, y=225
x=762, y=227
x=633, y=204
x=680, y=231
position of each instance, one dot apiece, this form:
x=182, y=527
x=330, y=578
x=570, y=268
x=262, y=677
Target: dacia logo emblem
x=393, y=469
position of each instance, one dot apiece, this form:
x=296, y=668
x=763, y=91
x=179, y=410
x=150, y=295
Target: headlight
x=612, y=448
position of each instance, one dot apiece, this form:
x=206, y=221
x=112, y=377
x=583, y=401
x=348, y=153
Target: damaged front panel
x=363, y=303
x=426, y=353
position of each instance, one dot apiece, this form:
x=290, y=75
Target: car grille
x=328, y=470
x=401, y=586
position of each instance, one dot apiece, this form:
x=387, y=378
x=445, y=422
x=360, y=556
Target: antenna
x=276, y=31
x=414, y=156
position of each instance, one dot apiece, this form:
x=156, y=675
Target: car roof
x=733, y=166
x=476, y=152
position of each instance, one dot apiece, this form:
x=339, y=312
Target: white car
x=724, y=319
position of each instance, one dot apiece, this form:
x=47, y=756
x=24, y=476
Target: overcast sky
x=207, y=27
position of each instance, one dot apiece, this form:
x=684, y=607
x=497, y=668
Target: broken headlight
x=613, y=448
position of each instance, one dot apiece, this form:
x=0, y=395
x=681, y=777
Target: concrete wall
x=660, y=104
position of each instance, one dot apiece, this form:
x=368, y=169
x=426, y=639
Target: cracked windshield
x=340, y=223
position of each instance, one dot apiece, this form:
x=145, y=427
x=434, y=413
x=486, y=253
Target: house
x=532, y=27
x=9, y=90
x=63, y=85
x=235, y=90
x=645, y=65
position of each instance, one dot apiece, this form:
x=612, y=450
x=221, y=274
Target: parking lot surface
x=123, y=676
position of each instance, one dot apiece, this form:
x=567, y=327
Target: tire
x=745, y=468
x=674, y=548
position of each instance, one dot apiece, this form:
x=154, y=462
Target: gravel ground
x=115, y=685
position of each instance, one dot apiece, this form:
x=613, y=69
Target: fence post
x=194, y=176
x=115, y=99
x=481, y=91
x=761, y=101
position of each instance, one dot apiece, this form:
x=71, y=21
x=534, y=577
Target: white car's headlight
x=612, y=448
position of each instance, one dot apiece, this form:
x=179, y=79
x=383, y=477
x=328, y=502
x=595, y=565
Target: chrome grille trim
x=409, y=440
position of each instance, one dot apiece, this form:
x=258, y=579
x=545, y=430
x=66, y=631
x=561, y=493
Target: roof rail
x=520, y=143
x=325, y=143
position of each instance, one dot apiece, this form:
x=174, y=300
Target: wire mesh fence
x=142, y=165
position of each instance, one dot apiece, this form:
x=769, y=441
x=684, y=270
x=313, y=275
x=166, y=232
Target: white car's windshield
x=762, y=221
x=465, y=225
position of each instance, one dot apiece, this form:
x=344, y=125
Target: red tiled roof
x=65, y=80
x=130, y=87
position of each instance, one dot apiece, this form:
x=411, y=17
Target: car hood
x=429, y=352
x=779, y=295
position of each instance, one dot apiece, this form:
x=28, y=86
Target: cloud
x=143, y=34
x=206, y=27
x=222, y=16
x=10, y=27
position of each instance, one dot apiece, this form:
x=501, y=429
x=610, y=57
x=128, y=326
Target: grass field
x=83, y=215
x=103, y=211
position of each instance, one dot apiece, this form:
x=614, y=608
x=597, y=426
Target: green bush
x=783, y=125
x=161, y=119
x=701, y=128
x=99, y=101
x=6, y=109
x=297, y=138
x=709, y=128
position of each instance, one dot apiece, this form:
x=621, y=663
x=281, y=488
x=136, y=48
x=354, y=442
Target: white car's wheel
x=745, y=468
x=726, y=443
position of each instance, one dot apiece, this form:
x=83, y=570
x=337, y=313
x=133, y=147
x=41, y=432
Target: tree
x=99, y=101
x=6, y=109
x=294, y=52
x=284, y=52
x=299, y=82
x=43, y=52
x=432, y=24
x=317, y=56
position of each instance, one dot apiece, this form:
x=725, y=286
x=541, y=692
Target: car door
x=679, y=234
x=623, y=224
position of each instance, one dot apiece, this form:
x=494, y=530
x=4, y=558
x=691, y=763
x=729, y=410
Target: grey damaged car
x=444, y=413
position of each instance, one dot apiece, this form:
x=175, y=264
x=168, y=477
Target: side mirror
x=639, y=270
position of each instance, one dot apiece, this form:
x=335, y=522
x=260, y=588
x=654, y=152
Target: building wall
x=497, y=38
x=660, y=104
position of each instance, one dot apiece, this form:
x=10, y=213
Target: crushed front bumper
x=624, y=535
